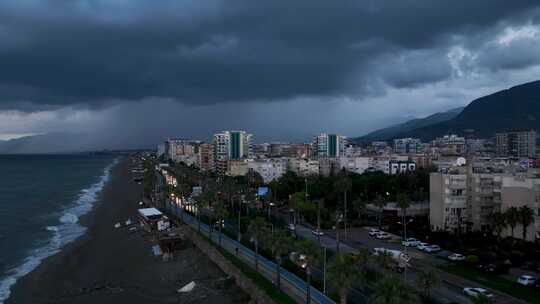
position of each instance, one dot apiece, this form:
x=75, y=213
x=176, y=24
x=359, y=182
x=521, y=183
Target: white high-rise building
x=329, y=145
x=231, y=145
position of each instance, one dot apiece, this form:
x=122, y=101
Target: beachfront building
x=231, y=145
x=329, y=145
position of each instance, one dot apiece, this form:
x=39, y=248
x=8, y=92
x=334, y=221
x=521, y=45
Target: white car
x=374, y=232
x=291, y=227
x=317, y=232
x=432, y=248
x=526, y=280
x=476, y=292
x=422, y=245
x=383, y=236
x=410, y=242
x=456, y=257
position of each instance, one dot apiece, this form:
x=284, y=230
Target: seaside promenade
x=294, y=286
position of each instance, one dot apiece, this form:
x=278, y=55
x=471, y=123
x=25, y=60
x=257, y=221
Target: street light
x=405, y=223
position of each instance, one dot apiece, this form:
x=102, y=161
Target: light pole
x=405, y=223
x=324, y=270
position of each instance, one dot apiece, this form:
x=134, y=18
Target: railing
x=266, y=267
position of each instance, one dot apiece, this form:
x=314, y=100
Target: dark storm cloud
x=209, y=51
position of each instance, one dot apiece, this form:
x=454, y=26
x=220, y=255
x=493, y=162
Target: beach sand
x=109, y=265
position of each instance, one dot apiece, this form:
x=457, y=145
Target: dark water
x=41, y=199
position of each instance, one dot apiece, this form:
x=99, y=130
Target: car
x=432, y=248
x=456, y=257
x=374, y=232
x=526, y=280
x=495, y=268
x=317, y=232
x=476, y=292
x=410, y=242
x=383, y=236
x=531, y=265
x=291, y=227
x=422, y=245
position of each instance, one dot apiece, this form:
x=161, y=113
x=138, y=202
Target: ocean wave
x=66, y=232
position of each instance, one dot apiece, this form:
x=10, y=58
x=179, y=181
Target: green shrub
x=472, y=259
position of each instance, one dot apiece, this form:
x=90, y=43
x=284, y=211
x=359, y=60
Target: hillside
x=394, y=130
x=514, y=108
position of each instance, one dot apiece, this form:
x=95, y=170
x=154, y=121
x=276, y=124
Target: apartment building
x=206, y=157
x=270, y=169
x=329, y=145
x=304, y=166
x=516, y=143
x=521, y=190
x=231, y=145
x=448, y=201
x=408, y=146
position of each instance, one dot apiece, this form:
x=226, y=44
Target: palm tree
x=380, y=202
x=512, y=218
x=344, y=184
x=338, y=217
x=391, y=290
x=342, y=273
x=384, y=259
x=296, y=203
x=220, y=213
x=403, y=202
x=312, y=254
x=361, y=256
x=257, y=229
x=320, y=204
x=359, y=206
x=281, y=243
x=426, y=280
x=498, y=222
x=526, y=218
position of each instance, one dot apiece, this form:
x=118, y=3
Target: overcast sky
x=130, y=73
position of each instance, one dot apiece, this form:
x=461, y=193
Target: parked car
x=531, y=265
x=432, y=248
x=422, y=245
x=526, y=280
x=456, y=257
x=291, y=227
x=410, y=242
x=496, y=268
x=374, y=232
x=383, y=236
x=317, y=232
x=475, y=292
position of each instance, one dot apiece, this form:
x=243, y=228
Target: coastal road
x=450, y=289
x=444, y=293
x=295, y=285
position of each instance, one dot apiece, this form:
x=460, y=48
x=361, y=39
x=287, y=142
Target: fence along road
x=291, y=284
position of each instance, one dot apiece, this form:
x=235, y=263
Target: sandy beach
x=109, y=265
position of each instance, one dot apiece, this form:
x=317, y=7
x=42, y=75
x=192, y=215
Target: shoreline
x=111, y=265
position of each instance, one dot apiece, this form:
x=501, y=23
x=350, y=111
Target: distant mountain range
x=392, y=131
x=45, y=143
x=514, y=108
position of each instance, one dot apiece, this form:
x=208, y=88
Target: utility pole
x=324, y=270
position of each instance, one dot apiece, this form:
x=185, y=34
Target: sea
x=42, y=198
